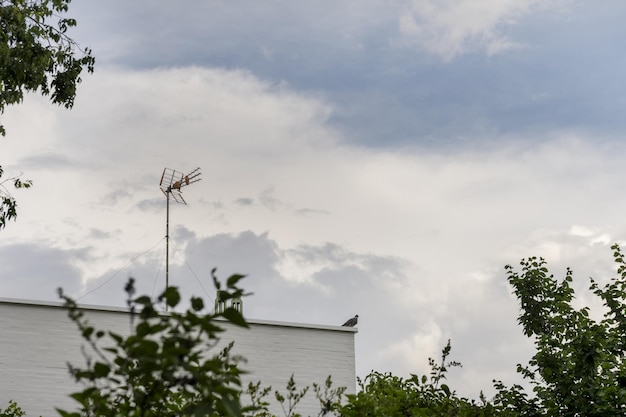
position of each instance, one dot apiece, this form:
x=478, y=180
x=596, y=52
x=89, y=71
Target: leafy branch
x=8, y=205
x=165, y=366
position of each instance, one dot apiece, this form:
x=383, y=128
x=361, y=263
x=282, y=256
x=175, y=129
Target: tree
x=36, y=54
x=8, y=206
x=578, y=368
x=387, y=395
x=329, y=398
x=167, y=366
x=12, y=410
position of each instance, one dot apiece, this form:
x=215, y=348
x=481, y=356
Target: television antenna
x=171, y=184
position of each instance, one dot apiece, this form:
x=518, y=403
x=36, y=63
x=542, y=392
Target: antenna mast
x=171, y=184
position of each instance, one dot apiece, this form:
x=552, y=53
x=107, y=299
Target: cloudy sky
x=372, y=157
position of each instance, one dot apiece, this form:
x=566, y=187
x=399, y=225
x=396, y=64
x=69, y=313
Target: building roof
x=88, y=307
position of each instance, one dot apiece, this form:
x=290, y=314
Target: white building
x=37, y=340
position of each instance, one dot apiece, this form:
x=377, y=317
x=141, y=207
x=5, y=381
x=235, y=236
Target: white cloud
x=415, y=238
x=428, y=341
x=577, y=230
x=450, y=28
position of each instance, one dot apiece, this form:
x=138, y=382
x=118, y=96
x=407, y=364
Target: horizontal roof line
x=56, y=304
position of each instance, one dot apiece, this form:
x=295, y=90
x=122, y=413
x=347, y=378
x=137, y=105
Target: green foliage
x=387, y=395
x=165, y=367
x=578, y=368
x=13, y=410
x=289, y=401
x=36, y=54
x=258, y=405
x=8, y=205
x=329, y=397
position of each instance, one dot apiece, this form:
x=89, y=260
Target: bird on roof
x=352, y=322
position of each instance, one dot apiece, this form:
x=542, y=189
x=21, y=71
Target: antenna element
x=171, y=184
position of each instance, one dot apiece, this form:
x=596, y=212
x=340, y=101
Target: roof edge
x=88, y=307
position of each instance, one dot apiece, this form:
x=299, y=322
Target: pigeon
x=352, y=322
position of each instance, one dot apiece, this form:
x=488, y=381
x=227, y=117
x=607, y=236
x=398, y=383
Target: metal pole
x=167, y=243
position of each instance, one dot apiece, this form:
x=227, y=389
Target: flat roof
x=58, y=304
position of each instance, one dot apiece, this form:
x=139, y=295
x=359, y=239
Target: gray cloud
x=116, y=196
x=387, y=94
x=182, y=234
x=51, y=160
x=35, y=272
x=244, y=201
x=350, y=283
x=152, y=204
x=431, y=175
x=267, y=199
x=310, y=212
x=99, y=234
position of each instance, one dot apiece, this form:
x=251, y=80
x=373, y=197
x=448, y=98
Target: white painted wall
x=38, y=339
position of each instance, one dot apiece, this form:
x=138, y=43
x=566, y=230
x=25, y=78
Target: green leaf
x=231, y=406
x=101, y=370
x=116, y=337
x=64, y=413
x=232, y=281
x=197, y=304
x=235, y=317
x=143, y=329
x=202, y=410
x=171, y=296
x=87, y=332
x=143, y=300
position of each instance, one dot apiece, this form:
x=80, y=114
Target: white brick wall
x=37, y=341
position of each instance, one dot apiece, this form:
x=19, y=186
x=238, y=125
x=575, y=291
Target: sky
x=375, y=157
